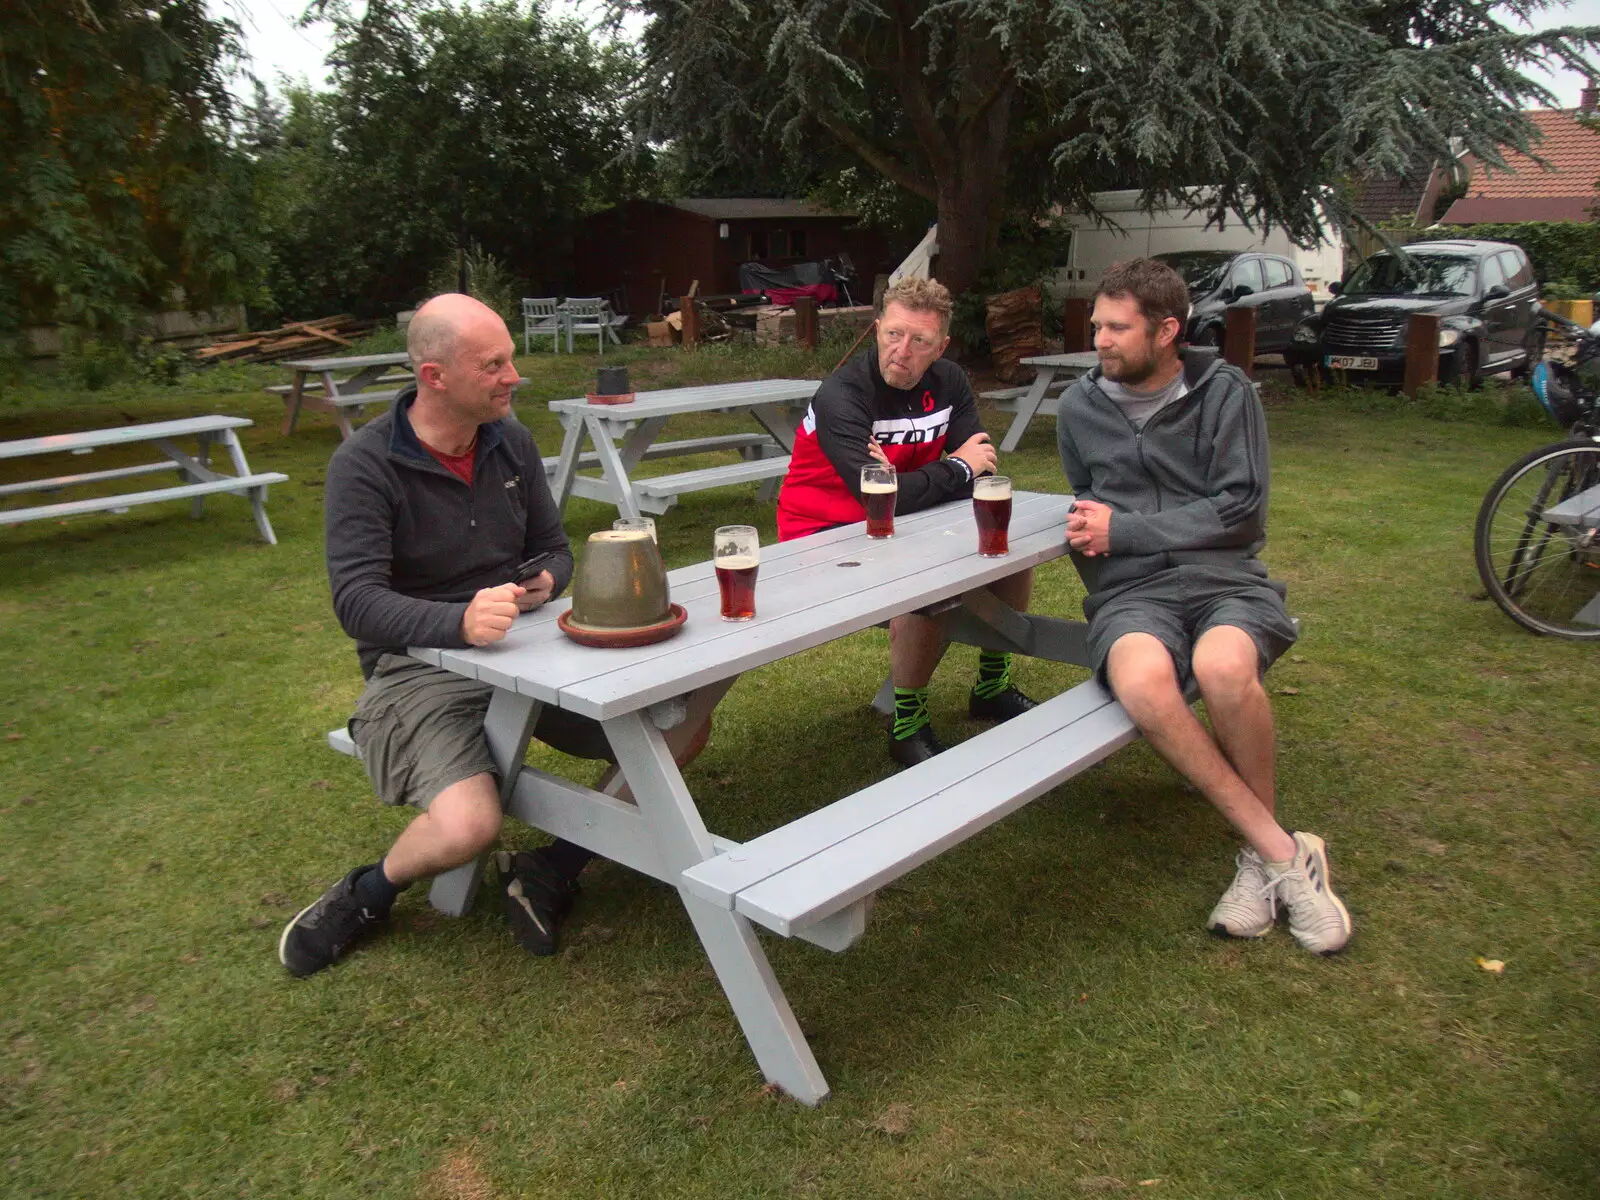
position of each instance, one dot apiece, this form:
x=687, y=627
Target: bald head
x=435, y=333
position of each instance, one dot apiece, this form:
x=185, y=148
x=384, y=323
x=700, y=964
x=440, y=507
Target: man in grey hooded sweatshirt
x=1166, y=452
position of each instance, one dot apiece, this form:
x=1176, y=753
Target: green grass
x=1038, y=1013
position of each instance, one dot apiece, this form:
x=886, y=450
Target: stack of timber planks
x=325, y=335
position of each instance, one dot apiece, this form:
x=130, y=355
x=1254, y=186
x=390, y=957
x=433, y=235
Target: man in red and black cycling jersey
x=902, y=403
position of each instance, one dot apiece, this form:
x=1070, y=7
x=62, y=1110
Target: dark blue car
x=1483, y=293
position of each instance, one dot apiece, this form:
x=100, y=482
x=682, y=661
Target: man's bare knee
x=1226, y=665
x=1016, y=590
x=466, y=817
x=1142, y=675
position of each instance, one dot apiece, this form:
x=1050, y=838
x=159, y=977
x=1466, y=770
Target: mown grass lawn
x=1038, y=1013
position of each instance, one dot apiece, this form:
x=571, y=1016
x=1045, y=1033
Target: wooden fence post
x=1239, y=339
x=805, y=321
x=1422, y=352
x=1076, y=333
x=691, y=322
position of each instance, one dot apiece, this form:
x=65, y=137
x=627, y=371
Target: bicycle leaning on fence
x=1537, y=540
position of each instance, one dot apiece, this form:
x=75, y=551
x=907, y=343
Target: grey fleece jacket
x=409, y=543
x=1189, y=490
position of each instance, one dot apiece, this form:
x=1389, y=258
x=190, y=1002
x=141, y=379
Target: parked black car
x=1483, y=293
x=1222, y=279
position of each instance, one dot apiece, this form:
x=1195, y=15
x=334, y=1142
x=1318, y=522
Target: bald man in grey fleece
x=435, y=515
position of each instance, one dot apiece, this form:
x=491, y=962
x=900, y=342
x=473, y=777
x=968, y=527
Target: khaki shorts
x=420, y=729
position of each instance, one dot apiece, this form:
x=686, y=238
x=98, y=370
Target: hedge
x=1563, y=252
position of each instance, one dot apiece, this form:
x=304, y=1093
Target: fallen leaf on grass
x=1283, y=691
x=13, y=737
x=1492, y=965
x=1148, y=1182
x=894, y=1121
x=1438, y=849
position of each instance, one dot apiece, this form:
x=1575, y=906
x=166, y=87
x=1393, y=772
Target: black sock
x=375, y=891
x=567, y=858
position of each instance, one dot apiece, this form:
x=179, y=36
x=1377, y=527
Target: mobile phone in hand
x=527, y=570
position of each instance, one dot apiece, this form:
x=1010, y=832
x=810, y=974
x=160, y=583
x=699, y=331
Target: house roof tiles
x=1571, y=173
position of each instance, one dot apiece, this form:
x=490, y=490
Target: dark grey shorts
x=1179, y=605
x=420, y=729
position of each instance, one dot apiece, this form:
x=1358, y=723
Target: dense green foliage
x=117, y=183
x=988, y=107
x=1562, y=252
x=495, y=125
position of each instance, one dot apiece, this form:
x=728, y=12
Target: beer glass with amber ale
x=736, y=553
x=991, y=506
x=880, y=488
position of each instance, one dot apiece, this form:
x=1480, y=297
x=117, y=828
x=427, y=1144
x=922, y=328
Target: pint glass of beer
x=991, y=506
x=880, y=488
x=736, y=552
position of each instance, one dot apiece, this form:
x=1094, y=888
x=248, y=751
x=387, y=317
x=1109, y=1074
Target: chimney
x=1589, y=98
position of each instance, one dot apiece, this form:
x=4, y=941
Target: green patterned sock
x=910, y=711
x=994, y=674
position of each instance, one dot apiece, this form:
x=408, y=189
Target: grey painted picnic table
x=814, y=878
x=196, y=478
x=1047, y=369
x=343, y=379
x=623, y=435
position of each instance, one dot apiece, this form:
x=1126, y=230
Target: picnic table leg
x=1027, y=407
x=258, y=495
x=778, y=420
x=567, y=467
x=202, y=455
x=615, y=473
x=640, y=439
x=331, y=390
x=741, y=965
x=506, y=727
x=291, y=402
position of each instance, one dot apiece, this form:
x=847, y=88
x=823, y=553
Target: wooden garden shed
x=642, y=250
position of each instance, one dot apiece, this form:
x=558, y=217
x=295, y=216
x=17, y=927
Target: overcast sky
x=279, y=49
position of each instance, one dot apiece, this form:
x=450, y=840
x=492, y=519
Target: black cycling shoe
x=320, y=934
x=1002, y=706
x=919, y=747
x=535, y=897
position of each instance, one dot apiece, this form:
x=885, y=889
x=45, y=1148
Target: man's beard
x=1129, y=372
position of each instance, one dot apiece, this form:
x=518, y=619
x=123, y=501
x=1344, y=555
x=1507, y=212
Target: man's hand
x=490, y=614
x=535, y=591
x=978, y=454
x=874, y=449
x=1089, y=528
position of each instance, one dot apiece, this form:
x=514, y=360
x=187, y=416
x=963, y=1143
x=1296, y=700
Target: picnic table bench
x=195, y=470
x=624, y=435
x=813, y=878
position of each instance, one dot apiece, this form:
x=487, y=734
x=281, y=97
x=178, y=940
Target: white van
x=1140, y=235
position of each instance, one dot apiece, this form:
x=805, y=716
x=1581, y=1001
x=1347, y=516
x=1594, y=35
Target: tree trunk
x=971, y=195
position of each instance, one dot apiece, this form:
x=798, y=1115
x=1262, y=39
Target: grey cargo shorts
x=420, y=729
x=1176, y=606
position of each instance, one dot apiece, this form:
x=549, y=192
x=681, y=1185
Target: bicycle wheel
x=1537, y=541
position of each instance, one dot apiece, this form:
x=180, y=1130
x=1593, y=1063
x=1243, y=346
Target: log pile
x=1015, y=324
x=325, y=335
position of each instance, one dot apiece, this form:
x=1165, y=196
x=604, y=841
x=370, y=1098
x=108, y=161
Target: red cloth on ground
x=822, y=293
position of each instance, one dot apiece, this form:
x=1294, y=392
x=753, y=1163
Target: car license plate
x=1352, y=362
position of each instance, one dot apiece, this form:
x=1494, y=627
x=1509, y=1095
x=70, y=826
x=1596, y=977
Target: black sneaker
x=1001, y=706
x=536, y=897
x=320, y=934
x=919, y=747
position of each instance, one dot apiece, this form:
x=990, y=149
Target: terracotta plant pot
x=621, y=583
